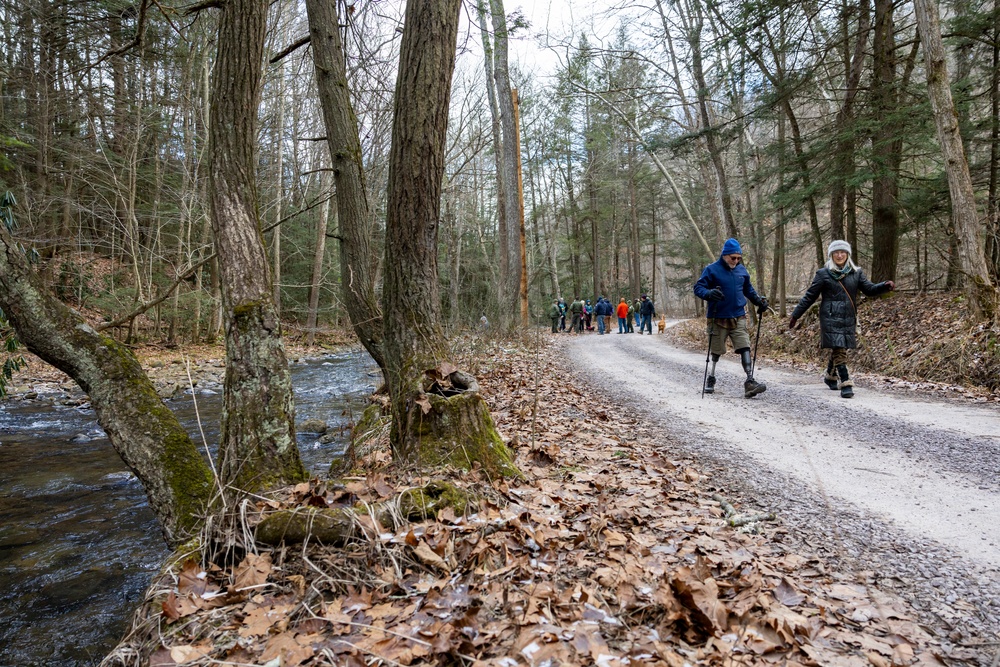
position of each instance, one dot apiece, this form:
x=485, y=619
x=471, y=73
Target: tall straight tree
x=258, y=447
x=981, y=293
x=427, y=427
x=888, y=151
x=502, y=101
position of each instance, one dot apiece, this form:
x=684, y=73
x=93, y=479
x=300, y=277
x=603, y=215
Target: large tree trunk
x=968, y=225
x=144, y=432
x=427, y=427
x=357, y=259
x=258, y=448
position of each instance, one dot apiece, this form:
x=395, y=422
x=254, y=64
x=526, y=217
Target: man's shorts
x=719, y=330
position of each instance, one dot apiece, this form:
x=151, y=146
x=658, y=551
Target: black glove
x=792, y=322
x=762, y=306
x=716, y=295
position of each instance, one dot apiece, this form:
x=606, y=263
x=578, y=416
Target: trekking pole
x=708, y=356
x=760, y=320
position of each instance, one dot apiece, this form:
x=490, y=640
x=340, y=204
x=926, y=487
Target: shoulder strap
x=841, y=283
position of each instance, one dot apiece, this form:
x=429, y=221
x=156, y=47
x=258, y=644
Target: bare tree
x=981, y=293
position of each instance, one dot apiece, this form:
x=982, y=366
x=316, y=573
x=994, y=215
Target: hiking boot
x=832, y=381
x=710, y=385
x=846, y=385
x=751, y=388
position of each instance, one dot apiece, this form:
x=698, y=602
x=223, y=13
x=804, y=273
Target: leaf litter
x=611, y=551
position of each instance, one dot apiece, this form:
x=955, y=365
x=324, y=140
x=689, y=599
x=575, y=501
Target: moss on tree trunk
x=459, y=431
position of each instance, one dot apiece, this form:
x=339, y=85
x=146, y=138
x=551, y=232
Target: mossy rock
x=427, y=501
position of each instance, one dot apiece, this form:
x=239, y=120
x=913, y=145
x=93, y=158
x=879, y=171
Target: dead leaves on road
x=610, y=553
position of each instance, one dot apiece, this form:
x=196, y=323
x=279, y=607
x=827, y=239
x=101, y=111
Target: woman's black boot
x=846, y=385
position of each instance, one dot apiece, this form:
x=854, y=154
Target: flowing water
x=78, y=543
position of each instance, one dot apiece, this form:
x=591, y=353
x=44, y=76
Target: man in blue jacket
x=725, y=285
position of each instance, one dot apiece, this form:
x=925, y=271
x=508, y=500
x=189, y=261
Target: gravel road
x=893, y=486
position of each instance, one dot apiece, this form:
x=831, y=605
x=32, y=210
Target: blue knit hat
x=731, y=247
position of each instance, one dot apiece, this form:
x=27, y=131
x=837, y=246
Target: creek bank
x=613, y=549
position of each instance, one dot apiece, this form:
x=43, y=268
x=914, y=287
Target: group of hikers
x=726, y=288
x=582, y=315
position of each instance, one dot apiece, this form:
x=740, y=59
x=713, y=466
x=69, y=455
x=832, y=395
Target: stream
x=78, y=543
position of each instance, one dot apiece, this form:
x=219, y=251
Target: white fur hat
x=839, y=245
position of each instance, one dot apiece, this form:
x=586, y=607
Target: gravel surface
x=901, y=490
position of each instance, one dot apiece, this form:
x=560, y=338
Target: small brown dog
x=661, y=324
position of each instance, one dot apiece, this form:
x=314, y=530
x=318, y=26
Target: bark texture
x=413, y=338
x=414, y=343
x=357, y=260
x=888, y=155
x=144, y=432
x=981, y=293
x=258, y=448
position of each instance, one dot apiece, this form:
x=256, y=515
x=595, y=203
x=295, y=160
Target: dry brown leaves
x=609, y=553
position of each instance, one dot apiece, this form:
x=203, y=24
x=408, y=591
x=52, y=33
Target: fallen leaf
x=188, y=653
x=428, y=557
x=786, y=594
x=253, y=571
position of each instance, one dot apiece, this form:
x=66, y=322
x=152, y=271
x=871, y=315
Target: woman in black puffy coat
x=838, y=283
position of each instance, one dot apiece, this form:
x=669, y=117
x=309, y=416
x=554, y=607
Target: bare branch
x=290, y=49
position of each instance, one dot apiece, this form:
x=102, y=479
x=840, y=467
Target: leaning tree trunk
x=258, y=448
x=968, y=227
x=144, y=432
x=357, y=261
x=437, y=414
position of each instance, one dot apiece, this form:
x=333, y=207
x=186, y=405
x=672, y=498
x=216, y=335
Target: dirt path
x=890, y=482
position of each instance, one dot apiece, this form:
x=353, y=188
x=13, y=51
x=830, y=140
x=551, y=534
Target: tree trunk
x=503, y=235
x=279, y=191
x=437, y=413
x=887, y=155
x=354, y=217
x=844, y=160
x=993, y=200
x=714, y=151
x=511, y=204
x=635, y=279
x=979, y=289
x=319, y=257
x=257, y=448
x=144, y=432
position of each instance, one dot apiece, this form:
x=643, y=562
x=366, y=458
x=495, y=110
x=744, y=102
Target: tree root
x=338, y=525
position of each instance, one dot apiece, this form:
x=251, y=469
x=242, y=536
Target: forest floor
x=622, y=545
